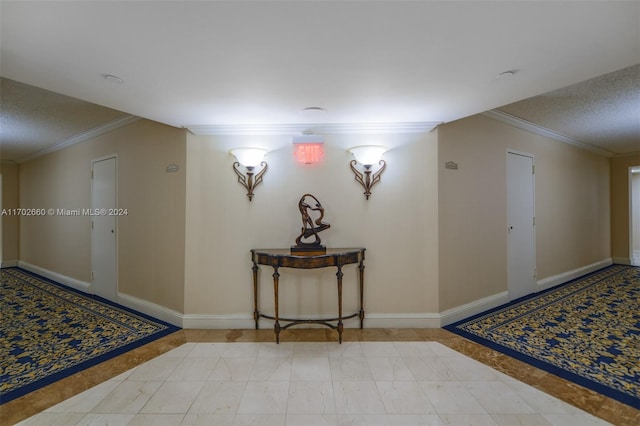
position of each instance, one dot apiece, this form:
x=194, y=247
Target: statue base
x=308, y=250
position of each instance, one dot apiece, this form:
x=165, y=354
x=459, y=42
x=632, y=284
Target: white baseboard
x=464, y=311
x=160, y=312
x=562, y=278
x=207, y=321
x=59, y=278
x=9, y=264
x=419, y=320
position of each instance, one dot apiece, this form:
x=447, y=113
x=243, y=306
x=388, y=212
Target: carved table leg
x=256, y=314
x=340, y=326
x=276, y=325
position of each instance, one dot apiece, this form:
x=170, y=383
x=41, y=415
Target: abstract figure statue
x=310, y=207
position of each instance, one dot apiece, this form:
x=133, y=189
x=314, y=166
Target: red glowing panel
x=308, y=153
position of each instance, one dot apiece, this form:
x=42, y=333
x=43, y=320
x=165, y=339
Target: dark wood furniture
x=282, y=258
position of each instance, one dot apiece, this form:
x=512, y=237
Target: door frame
x=534, y=288
x=633, y=260
x=93, y=161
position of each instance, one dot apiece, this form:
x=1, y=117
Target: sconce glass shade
x=368, y=154
x=249, y=157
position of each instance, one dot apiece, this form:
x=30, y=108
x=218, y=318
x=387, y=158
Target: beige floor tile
x=311, y=369
x=201, y=419
x=311, y=420
x=128, y=397
x=389, y=369
x=404, y=398
x=218, y=398
x=358, y=398
x=415, y=420
x=311, y=398
x=173, y=398
x=264, y=398
x=350, y=369
x=276, y=368
x=451, y=397
x=156, y=420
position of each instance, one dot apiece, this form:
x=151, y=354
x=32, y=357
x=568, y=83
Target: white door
x=1, y=221
x=521, y=225
x=103, y=234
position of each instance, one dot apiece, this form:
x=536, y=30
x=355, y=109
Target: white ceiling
x=602, y=112
x=214, y=63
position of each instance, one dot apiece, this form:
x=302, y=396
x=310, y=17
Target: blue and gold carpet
x=49, y=331
x=586, y=331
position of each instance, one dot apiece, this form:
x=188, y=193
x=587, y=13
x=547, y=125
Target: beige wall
x=620, y=206
x=150, y=237
x=572, y=207
x=57, y=243
x=398, y=226
x=10, y=223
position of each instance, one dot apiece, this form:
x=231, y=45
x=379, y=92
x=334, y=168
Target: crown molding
x=628, y=154
x=543, y=131
x=84, y=136
x=315, y=128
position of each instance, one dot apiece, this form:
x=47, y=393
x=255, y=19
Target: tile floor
x=312, y=383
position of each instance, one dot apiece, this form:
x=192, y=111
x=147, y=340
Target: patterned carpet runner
x=48, y=332
x=586, y=331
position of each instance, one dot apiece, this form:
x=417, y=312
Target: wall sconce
x=367, y=156
x=249, y=158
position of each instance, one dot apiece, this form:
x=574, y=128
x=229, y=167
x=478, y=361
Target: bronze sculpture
x=310, y=227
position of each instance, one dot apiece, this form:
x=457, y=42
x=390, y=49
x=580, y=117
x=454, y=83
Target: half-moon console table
x=282, y=258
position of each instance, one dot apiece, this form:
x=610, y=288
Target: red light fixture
x=308, y=149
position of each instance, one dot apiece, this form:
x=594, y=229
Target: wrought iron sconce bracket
x=250, y=181
x=367, y=179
